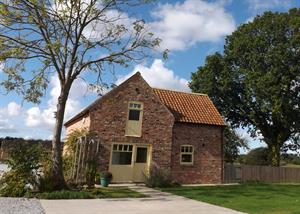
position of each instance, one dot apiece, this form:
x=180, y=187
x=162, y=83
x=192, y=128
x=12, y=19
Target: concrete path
x=158, y=203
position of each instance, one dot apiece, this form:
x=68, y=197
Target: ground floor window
x=186, y=155
x=121, y=154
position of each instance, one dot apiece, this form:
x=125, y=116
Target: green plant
x=97, y=177
x=159, y=178
x=106, y=175
x=24, y=174
x=91, y=173
x=66, y=194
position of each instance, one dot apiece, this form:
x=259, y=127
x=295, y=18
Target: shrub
x=159, y=178
x=91, y=173
x=65, y=194
x=24, y=174
x=258, y=156
x=97, y=177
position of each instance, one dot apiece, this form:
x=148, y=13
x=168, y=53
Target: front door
x=141, y=163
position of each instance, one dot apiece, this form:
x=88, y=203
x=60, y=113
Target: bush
x=65, y=194
x=258, y=156
x=97, y=178
x=159, y=178
x=24, y=174
x=91, y=173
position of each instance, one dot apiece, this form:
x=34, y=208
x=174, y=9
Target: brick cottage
x=140, y=127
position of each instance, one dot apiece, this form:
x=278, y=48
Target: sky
x=190, y=29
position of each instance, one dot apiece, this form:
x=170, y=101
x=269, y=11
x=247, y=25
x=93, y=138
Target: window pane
x=125, y=147
x=134, y=115
x=130, y=148
x=141, y=155
x=182, y=149
x=115, y=147
x=186, y=158
x=121, y=158
x=120, y=147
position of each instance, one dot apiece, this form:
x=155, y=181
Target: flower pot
x=104, y=182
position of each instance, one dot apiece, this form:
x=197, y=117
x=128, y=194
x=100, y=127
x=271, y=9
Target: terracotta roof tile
x=190, y=107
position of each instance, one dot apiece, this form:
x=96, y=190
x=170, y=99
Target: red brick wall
x=207, y=142
x=108, y=119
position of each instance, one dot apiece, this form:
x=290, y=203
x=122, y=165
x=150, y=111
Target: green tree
x=233, y=144
x=39, y=38
x=258, y=156
x=256, y=82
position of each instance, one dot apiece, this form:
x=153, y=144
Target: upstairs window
x=187, y=155
x=134, y=120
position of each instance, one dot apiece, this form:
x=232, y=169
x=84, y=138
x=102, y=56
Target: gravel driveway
x=20, y=206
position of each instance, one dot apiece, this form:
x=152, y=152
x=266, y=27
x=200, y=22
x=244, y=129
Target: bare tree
x=39, y=38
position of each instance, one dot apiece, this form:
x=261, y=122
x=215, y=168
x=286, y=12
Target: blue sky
x=190, y=29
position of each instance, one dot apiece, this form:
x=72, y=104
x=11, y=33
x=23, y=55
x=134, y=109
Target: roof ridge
x=173, y=90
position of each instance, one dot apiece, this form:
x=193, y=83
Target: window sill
x=133, y=135
x=186, y=164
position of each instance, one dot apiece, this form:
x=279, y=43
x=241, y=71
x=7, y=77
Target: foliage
x=70, y=149
x=88, y=194
x=66, y=194
x=106, y=175
x=233, y=144
x=255, y=83
x=291, y=159
x=24, y=163
x=248, y=198
x=97, y=178
x=61, y=38
x=116, y=192
x=258, y=156
x=91, y=173
x=159, y=178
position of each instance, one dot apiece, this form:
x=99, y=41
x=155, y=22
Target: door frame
x=133, y=158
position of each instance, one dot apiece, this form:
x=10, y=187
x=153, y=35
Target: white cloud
x=110, y=20
x=1, y=66
x=37, y=117
x=6, y=127
x=183, y=25
x=157, y=75
x=257, y=5
x=13, y=109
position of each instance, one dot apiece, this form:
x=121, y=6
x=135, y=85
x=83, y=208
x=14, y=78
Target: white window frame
x=122, y=145
x=186, y=153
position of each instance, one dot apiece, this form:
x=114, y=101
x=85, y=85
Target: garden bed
x=109, y=192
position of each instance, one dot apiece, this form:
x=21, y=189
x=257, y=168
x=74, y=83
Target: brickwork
x=80, y=123
x=207, y=143
x=110, y=115
x=108, y=120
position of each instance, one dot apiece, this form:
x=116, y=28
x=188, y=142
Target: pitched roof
x=186, y=107
x=190, y=107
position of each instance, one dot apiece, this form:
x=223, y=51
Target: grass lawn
x=109, y=192
x=249, y=198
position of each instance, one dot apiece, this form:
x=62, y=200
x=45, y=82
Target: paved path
x=158, y=203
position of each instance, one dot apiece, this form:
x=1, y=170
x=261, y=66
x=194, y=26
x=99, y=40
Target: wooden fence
x=241, y=173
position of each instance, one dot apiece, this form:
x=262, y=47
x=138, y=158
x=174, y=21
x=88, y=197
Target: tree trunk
x=275, y=154
x=57, y=177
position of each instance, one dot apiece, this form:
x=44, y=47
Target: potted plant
x=105, y=178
